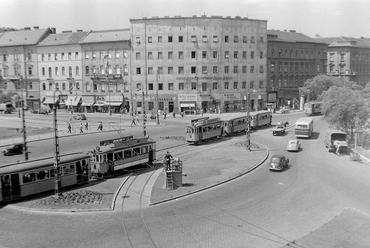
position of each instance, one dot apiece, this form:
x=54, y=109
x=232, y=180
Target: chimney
x=27, y=28
x=292, y=31
x=67, y=31
x=53, y=30
x=35, y=27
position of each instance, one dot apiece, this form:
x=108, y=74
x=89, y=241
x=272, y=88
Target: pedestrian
x=174, y=114
x=182, y=113
x=81, y=128
x=165, y=115
x=133, y=120
x=69, y=128
x=137, y=118
x=201, y=112
x=86, y=125
x=167, y=159
x=101, y=126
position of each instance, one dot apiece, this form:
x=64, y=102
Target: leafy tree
x=317, y=85
x=366, y=91
x=5, y=97
x=344, y=108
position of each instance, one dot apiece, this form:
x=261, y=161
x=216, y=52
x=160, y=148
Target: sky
x=326, y=18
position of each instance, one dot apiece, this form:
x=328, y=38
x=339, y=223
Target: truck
x=6, y=108
x=336, y=141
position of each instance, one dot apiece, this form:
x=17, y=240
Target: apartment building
x=60, y=69
x=348, y=58
x=292, y=58
x=106, y=62
x=19, y=64
x=198, y=63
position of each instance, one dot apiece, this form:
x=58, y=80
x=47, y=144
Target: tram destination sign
x=204, y=77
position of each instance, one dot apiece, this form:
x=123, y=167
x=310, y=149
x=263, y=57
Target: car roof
x=293, y=140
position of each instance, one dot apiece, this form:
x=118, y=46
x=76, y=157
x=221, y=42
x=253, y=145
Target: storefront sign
x=114, y=98
x=231, y=96
x=204, y=78
x=271, y=96
x=187, y=97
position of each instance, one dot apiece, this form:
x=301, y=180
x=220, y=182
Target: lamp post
x=23, y=123
x=106, y=63
x=57, y=169
x=157, y=115
x=248, y=136
x=144, y=115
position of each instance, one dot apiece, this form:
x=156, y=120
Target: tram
x=235, y=125
x=202, y=129
x=37, y=176
x=260, y=118
x=118, y=154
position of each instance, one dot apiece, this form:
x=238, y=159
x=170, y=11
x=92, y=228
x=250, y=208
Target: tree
x=344, y=108
x=5, y=97
x=317, y=85
x=366, y=91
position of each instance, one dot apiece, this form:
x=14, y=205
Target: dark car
x=13, y=149
x=79, y=117
x=278, y=162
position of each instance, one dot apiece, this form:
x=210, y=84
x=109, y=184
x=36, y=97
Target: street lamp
x=23, y=123
x=57, y=169
x=248, y=136
x=106, y=63
x=157, y=98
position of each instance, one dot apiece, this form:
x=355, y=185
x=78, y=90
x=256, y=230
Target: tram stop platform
x=201, y=170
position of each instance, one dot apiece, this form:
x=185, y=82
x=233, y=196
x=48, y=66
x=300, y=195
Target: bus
x=312, y=108
x=304, y=127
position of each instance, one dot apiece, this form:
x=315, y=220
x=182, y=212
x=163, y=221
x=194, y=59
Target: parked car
x=293, y=145
x=79, y=117
x=278, y=162
x=13, y=149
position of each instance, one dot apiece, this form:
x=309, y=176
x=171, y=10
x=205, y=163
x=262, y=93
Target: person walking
x=174, y=114
x=165, y=115
x=137, y=118
x=81, y=128
x=86, y=125
x=69, y=127
x=133, y=122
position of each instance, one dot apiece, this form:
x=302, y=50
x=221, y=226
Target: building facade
x=348, y=58
x=60, y=69
x=19, y=64
x=199, y=63
x=106, y=62
x=292, y=58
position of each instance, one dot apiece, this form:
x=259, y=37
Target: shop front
x=165, y=103
x=210, y=103
x=232, y=102
x=50, y=100
x=99, y=105
x=272, y=99
x=188, y=104
x=115, y=103
x=88, y=103
x=73, y=103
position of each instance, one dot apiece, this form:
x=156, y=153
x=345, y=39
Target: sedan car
x=278, y=162
x=293, y=145
x=13, y=149
x=79, y=117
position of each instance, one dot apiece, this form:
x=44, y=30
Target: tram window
x=29, y=177
x=118, y=155
x=127, y=154
x=104, y=158
x=136, y=151
x=144, y=149
x=41, y=175
x=52, y=173
x=97, y=158
x=68, y=169
x=204, y=129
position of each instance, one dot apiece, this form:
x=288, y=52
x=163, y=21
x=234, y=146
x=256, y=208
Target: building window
x=193, y=69
x=30, y=86
x=56, y=71
x=94, y=54
x=318, y=68
x=215, y=54
x=181, y=38
x=181, y=86
x=70, y=71
x=235, y=85
x=193, y=86
x=69, y=55
x=215, y=85
x=150, y=55
x=49, y=56
x=29, y=56
x=151, y=86
x=170, y=70
x=215, y=69
x=150, y=39
x=16, y=55
x=244, y=69
x=160, y=70
x=252, y=69
x=226, y=85
x=125, y=55
x=252, y=39
x=252, y=55
x=261, y=55
x=261, y=84
x=226, y=70
x=77, y=55
x=204, y=38
x=63, y=86
x=236, y=69
x=125, y=70
x=261, y=40
x=159, y=39
x=272, y=67
x=63, y=71
x=170, y=55
x=43, y=86
x=244, y=54
x=204, y=69
x=87, y=70
x=236, y=54
x=215, y=39
x=138, y=56
x=181, y=70
x=244, y=39
x=43, y=71
x=181, y=55
x=226, y=38
x=117, y=54
x=204, y=86
x=171, y=86
x=227, y=54
x=50, y=75
x=236, y=39
x=261, y=68
x=150, y=70
x=204, y=54
x=138, y=70
x=169, y=39
x=251, y=85
x=42, y=57
x=193, y=54
x=160, y=55
x=244, y=85
x=193, y=38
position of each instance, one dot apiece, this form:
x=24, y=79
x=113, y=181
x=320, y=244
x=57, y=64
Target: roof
x=290, y=36
x=345, y=41
x=63, y=39
x=23, y=37
x=194, y=17
x=107, y=36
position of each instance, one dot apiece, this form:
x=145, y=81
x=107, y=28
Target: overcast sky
x=324, y=17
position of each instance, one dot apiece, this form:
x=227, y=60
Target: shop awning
x=187, y=105
x=50, y=100
x=87, y=104
x=73, y=100
x=115, y=104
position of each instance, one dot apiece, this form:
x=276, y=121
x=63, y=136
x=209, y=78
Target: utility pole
x=157, y=115
x=57, y=169
x=248, y=136
x=23, y=121
x=144, y=115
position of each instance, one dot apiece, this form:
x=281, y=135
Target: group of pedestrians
x=84, y=126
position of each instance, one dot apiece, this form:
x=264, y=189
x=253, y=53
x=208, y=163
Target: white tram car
x=37, y=176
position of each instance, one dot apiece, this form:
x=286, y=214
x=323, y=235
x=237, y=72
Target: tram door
x=10, y=187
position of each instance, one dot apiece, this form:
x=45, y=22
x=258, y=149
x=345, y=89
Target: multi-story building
x=198, y=63
x=292, y=58
x=106, y=62
x=19, y=65
x=60, y=69
x=348, y=58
